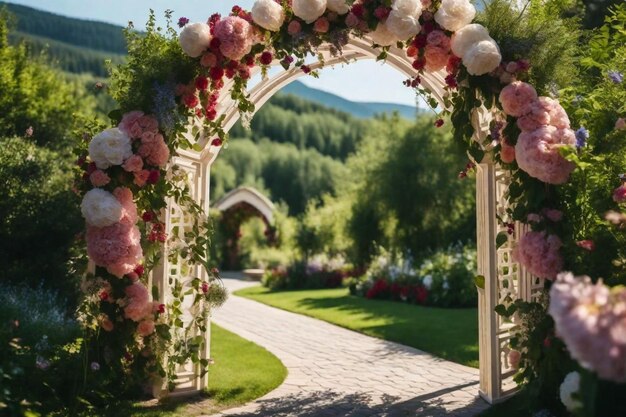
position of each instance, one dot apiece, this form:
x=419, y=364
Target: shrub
x=319, y=272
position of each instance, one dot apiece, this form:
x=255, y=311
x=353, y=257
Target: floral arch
x=146, y=181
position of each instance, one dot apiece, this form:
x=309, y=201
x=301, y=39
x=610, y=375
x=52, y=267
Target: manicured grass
x=448, y=333
x=242, y=372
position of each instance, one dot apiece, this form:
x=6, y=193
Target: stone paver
x=337, y=372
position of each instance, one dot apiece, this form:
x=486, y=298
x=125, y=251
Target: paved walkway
x=337, y=372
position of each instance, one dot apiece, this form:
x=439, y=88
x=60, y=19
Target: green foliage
x=31, y=95
x=89, y=34
x=40, y=216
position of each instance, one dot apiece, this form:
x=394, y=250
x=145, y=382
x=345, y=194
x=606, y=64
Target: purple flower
x=616, y=77
x=582, y=135
x=95, y=366
x=182, y=22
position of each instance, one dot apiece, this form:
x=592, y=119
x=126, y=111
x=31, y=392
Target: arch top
x=250, y=196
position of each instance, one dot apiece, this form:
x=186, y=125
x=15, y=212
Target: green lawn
x=242, y=372
x=448, y=333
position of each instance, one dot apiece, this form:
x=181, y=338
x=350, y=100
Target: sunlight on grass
x=448, y=333
x=243, y=371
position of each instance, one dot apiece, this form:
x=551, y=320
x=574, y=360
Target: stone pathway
x=337, y=372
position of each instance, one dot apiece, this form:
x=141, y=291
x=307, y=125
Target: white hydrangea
x=455, y=14
x=402, y=26
x=111, y=147
x=482, y=58
x=569, y=387
x=338, y=6
x=382, y=35
x=268, y=14
x=100, y=208
x=195, y=39
x=309, y=10
x=467, y=37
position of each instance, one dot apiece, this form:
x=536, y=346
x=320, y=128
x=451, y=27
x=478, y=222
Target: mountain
x=82, y=46
x=355, y=108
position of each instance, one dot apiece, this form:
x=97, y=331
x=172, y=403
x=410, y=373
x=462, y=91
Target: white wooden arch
x=250, y=196
x=504, y=279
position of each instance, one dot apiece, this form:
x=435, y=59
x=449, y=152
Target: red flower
x=586, y=244
x=382, y=12
x=190, y=100
x=139, y=270
x=216, y=73
x=419, y=64
x=211, y=113
x=411, y=51
x=215, y=44
x=212, y=21
x=420, y=41
x=358, y=10
x=428, y=27
x=161, y=308
x=202, y=83
x=91, y=168
x=421, y=294
x=306, y=69
x=216, y=142
x=104, y=296
x=266, y=58
x=439, y=122
x=451, y=81
x=147, y=216
x=154, y=176
x=205, y=287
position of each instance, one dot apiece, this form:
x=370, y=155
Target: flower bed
x=315, y=273
x=444, y=279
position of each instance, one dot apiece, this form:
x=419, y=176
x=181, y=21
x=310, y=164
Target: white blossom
x=268, y=14
x=195, y=39
x=100, y=208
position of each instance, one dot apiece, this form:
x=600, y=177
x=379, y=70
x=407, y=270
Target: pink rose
x=145, y=328
x=544, y=112
x=99, y=178
x=514, y=358
x=209, y=60
x=352, y=20
x=129, y=120
x=619, y=194
x=620, y=124
x=148, y=123
x=106, y=324
x=507, y=153
x=294, y=28
x=436, y=57
x=321, y=25
x=141, y=177
x=138, y=302
x=133, y=164
x=586, y=244
x=114, y=246
x=438, y=38
x=517, y=98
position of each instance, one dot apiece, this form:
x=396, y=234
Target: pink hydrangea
x=153, y=149
x=133, y=164
x=436, y=57
x=517, y=98
x=539, y=254
x=138, y=305
x=537, y=153
x=544, y=112
x=235, y=37
x=591, y=320
x=145, y=328
x=99, y=178
x=115, y=247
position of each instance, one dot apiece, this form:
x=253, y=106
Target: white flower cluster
x=195, y=39
x=100, y=208
x=403, y=21
x=455, y=14
x=309, y=10
x=111, y=147
x=268, y=14
x=569, y=387
x=480, y=53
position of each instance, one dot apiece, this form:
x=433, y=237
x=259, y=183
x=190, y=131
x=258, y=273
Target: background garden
x=393, y=222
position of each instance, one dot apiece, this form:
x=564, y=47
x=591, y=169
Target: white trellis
x=502, y=276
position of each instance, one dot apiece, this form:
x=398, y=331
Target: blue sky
x=362, y=81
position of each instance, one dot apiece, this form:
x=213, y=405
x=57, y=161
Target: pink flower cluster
x=591, y=320
x=431, y=50
x=235, y=36
x=539, y=254
x=117, y=247
x=139, y=308
x=545, y=129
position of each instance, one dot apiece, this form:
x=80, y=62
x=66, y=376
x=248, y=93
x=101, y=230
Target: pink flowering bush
x=540, y=254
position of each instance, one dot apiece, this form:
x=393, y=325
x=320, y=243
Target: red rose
x=154, y=176
x=202, y=83
x=266, y=58
x=190, y=100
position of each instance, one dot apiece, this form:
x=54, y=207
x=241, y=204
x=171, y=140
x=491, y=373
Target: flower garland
x=530, y=134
